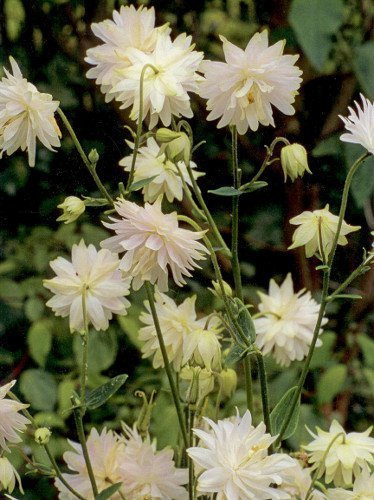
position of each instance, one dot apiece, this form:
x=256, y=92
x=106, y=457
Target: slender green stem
x=188, y=194
x=264, y=391
x=191, y=475
x=248, y=383
x=91, y=167
x=357, y=272
x=139, y=124
x=150, y=292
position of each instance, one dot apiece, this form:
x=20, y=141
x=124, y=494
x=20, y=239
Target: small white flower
x=106, y=453
x=242, y=90
x=11, y=422
x=360, y=125
x=8, y=476
x=130, y=28
x=154, y=244
x=151, y=162
x=94, y=277
x=348, y=455
x=72, y=208
x=297, y=483
x=363, y=488
x=285, y=328
x=316, y=222
x=148, y=473
x=25, y=115
x=235, y=462
x=166, y=87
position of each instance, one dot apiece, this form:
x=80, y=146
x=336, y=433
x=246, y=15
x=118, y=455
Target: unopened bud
x=72, y=208
x=228, y=381
x=176, y=145
x=93, y=156
x=201, y=382
x=217, y=290
x=42, y=435
x=164, y=135
x=294, y=161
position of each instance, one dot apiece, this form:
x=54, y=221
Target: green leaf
x=39, y=340
x=39, y=389
x=108, y=492
x=331, y=383
x=236, y=353
x=226, y=191
x=99, y=396
x=64, y=393
x=48, y=419
x=254, y=187
x=135, y=186
x=279, y=413
x=363, y=182
x=102, y=350
x=367, y=347
x=363, y=65
x=314, y=23
x=322, y=355
x=331, y=146
x=34, y=308
x=244, y=318
x=11, y=292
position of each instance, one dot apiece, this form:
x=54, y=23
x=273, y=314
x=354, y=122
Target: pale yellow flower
x=72, y=208
x=294, y=161
x=363, y=488
x=8, y=476
x=11, y=421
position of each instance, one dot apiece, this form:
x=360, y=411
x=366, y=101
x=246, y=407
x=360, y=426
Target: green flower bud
x=93, y=156
x=294, y=161
x=228, y=381
x=176, y=145
x=164, y=135
x=72, y=208
x=216, y=290
x=42, y=435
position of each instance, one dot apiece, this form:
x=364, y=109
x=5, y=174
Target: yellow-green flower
x=72, y=208
x=294, y=161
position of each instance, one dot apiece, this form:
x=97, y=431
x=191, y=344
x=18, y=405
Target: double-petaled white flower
x=297, y=483
x=8, y=476
x=285, y=328
x=148, y=473
x=234, y=462
x=360, y=125
x=154, y=244
x=130, y=28
x=363, y=488
x=25, y=115
x=243, y=90
x=349, y=453
x=172, y=74
x=91, y=281
x=317, y=231
x=152, y=162
x=11, y=422
x=106, y=452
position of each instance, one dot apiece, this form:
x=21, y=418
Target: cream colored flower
x=294, y=161
x=228, y=381
x=130, y=28
x=8, y=476
x=200, y=382
x=25, y=115
x=11, y=422
x=285, y=328
x=148, y=473
x=363, y=488
x=176, y=322
x=242, y=90
x=166, y=85
x=152, y=162
x=348, y=455
x=92, y=277
x=360, y=125
x=154, y=244
x=234, y=459
x=311, y=224
x=72, y=208
x=297, y=483
x=106, y=452
x=202, y=345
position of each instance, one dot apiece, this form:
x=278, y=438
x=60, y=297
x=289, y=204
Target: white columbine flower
x=297, y=483
x=349, y=453
x=360, y=125
x=154, y=244
x=363, y=488
x=148, y=473
x=25, y=115
x=316, y=222
x=151, y=162
x=166, y=85
x=130, y=28
x=242, y=90
x=11, y=422
x=8, y=476
x=235, y=462
x=285, y=328
x=94, y=277
x=106, y=453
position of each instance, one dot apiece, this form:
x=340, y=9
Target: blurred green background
x=49, y=39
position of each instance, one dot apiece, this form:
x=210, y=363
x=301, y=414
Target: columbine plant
x=147, y=71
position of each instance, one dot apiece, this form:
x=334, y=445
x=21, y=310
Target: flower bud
x=42, y=435
x=166, y=135
x=228, y=381
x=201, y=382
x=72, y=208
x=176, y=145
x=93, y=156
x=216, y=290
x=294, y=161
x=8, y=476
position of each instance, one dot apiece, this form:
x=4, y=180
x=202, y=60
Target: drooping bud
x=176, y=145
x=42, y=435
x=294, y=161
x=217, y=291
x=72, y=208
x=228, y=381
x=8, y=476
x=201, y=383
